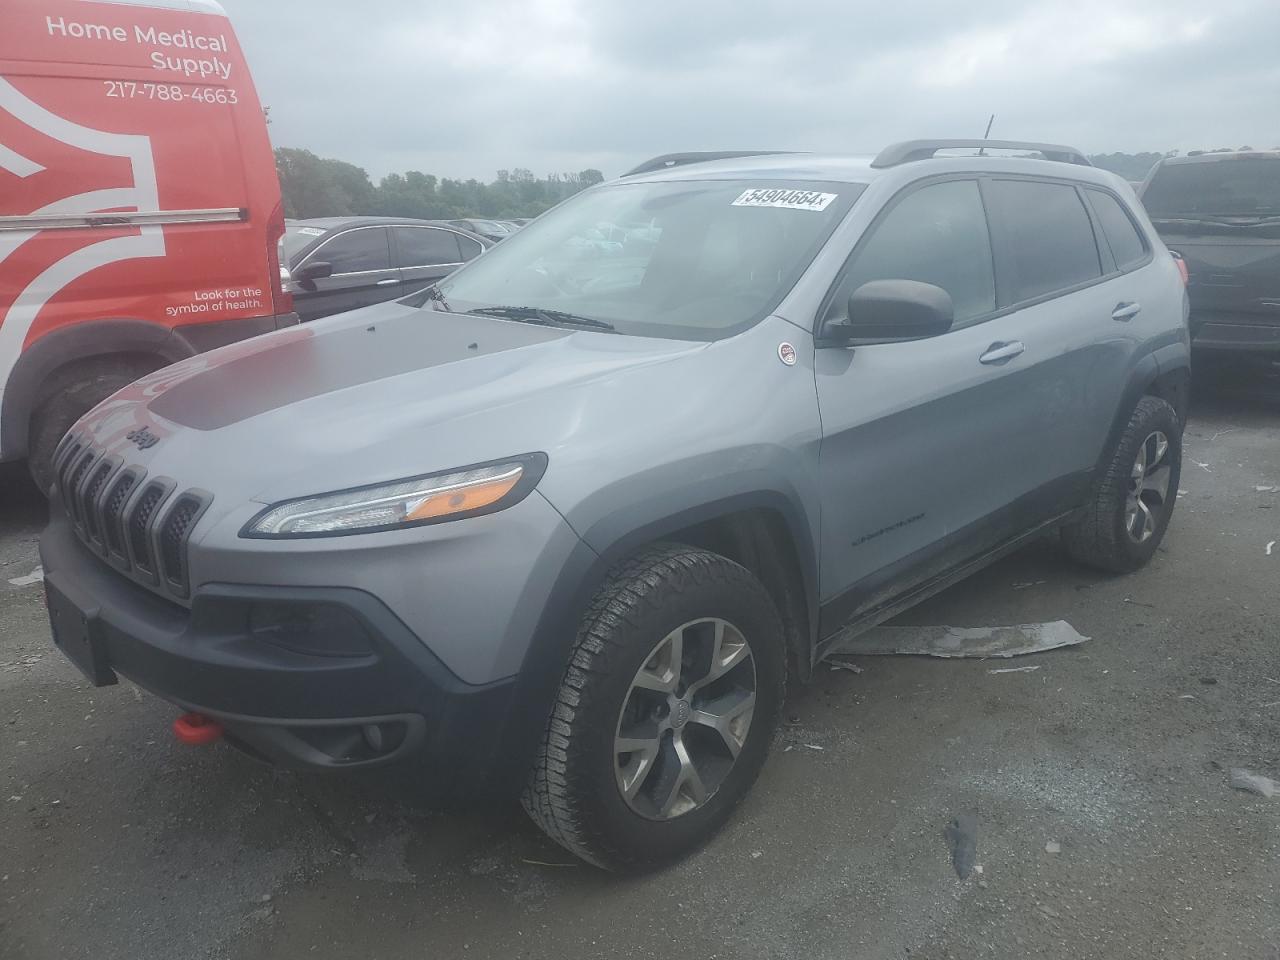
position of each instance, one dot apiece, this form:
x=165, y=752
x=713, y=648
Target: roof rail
x=668, y=160
x=911, y=150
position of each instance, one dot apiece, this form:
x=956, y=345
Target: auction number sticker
x=786, y=199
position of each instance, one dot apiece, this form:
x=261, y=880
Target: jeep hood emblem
x=143, y=437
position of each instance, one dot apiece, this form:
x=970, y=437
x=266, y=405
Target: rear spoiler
x=69, y=221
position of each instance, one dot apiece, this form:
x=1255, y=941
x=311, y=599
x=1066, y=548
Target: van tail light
x=1182, y=266
x=281, y=299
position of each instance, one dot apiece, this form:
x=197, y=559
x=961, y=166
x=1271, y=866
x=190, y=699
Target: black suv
x=1221, y=212
x=333, y=264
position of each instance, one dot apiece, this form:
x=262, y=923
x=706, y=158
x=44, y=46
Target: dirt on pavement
x=117, y=843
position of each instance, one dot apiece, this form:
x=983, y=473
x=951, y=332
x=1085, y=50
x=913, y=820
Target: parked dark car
x=334, y=264
x=494, y=230
x=1221, y=212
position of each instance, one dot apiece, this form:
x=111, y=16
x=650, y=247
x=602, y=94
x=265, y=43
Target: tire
x=574, y=792
x=68, y=401
x=1103, y=536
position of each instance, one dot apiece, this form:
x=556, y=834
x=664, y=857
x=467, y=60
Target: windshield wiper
x=551, y=318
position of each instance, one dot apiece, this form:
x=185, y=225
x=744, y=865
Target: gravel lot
x=117, y=842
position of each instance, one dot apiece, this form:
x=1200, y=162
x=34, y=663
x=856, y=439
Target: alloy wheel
x=685, y=719
x=1148, y=487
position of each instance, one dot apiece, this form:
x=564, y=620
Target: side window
x=1127, y=245
x=426, y=246
x=470, y=248
x=1050, y=236
x=937, y=234
x=356, y=251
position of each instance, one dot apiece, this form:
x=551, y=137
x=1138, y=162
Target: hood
x=377, y=394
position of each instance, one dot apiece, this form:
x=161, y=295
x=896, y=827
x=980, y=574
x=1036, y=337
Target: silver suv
x=568, y=522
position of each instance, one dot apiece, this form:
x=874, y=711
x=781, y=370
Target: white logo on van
x=143, y=194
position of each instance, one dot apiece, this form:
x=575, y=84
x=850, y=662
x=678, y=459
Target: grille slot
x=139, y=527
x=89, y=502
x=174, y=531
x=62, y=468
x=79, y=467
x=113, y=512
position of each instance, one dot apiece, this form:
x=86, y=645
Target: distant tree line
x=322, y=187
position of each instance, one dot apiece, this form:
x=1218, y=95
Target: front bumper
x=395, y=701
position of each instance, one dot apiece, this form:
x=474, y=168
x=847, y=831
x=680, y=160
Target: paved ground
x=117, y=843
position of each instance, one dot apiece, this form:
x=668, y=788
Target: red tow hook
x=195, y=729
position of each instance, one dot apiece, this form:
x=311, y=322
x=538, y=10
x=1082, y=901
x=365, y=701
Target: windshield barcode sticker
x=786, y=199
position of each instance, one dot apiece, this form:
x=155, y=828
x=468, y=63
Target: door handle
x=388, y=281
x=1126, y=311
x=1002, y=352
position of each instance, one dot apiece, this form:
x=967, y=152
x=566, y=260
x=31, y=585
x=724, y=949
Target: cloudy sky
x=464, y=87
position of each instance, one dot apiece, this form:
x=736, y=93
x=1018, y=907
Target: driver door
x=929, y=446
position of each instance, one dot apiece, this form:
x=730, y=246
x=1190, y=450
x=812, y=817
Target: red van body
x=139, y=204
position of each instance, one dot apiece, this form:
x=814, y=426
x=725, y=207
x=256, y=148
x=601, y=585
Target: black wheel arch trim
x=596, y=552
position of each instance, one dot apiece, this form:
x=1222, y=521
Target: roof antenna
x=982, y=151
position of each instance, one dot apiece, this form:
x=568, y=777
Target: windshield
x=694, y=260
x=1236, y=187
x=295, y=238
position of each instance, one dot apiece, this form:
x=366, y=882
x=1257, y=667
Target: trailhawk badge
x=787, y=354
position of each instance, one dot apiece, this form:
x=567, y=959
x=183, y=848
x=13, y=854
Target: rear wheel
x=72, y=395
x=665, y=713
x=1130, y=512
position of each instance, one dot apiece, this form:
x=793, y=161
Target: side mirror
x=315, y=270
x=893, y=310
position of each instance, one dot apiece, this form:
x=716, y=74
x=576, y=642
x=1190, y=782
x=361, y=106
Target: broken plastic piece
x=1242, y=779
x=1015, y=669
x=962, y=836
x=844, y=665
x=963, y=641
x=1053, y=847
x=35, y=576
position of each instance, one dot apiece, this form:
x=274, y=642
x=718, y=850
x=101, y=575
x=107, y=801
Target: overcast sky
x=464, y=87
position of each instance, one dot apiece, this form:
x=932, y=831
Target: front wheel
x=1130, y=512
x=665, y=713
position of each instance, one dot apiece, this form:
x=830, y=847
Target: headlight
x=438, y=497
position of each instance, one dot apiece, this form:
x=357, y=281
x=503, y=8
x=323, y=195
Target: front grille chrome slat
x=138, y=523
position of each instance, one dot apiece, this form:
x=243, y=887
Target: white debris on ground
x=1010, y=641
x=1053, y=847
x=1015, y=669
x=35, y=576
x=1250, y=782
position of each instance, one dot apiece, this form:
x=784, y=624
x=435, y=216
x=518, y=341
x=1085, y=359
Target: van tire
x=1100, y=536
x=573, y=793
x=68, y=398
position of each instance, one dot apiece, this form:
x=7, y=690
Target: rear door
x=425, y=255
x=933, y=450
x=1082, y=313
x=363, y=273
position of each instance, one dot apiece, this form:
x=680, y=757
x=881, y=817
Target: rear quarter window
x=1126, y=241
x=1048, y=236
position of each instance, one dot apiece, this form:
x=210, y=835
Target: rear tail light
x=280, y=297
x=1182, y=266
